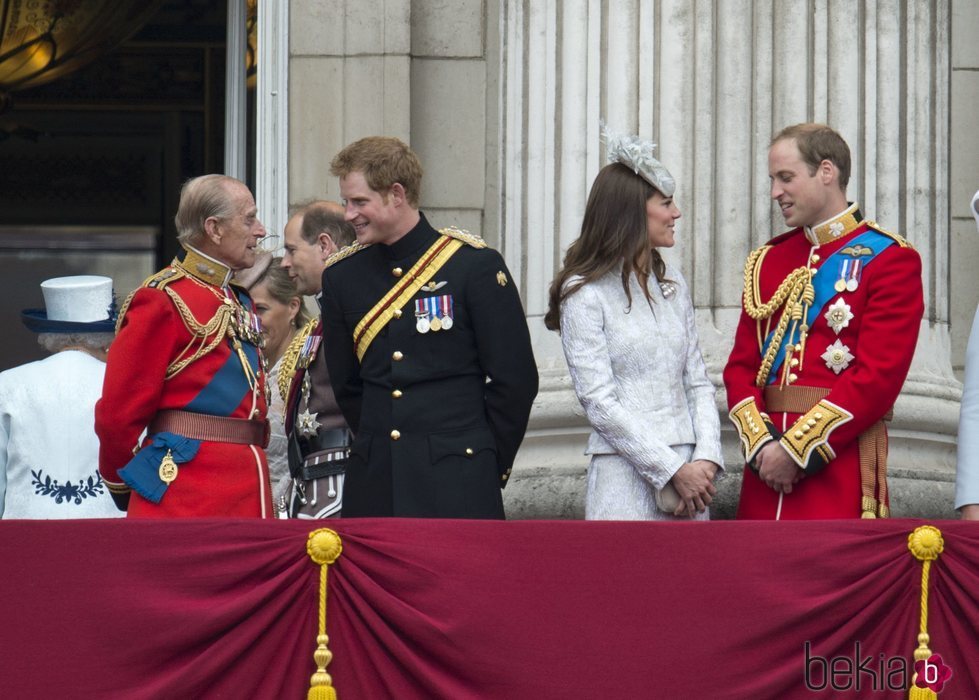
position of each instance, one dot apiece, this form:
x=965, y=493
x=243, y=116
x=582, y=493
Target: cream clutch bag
x=667, y=499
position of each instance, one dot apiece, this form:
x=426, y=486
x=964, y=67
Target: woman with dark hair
x=279, y=306
x=630, y=338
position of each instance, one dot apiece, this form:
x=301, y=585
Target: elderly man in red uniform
x=186, y=367
x=830, y=319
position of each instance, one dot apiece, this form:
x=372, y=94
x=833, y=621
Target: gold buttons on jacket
x=469, y=451
x=397, y=272
x=397, y=313
x=397, y=356
x=396, y=393
x=395, y=435
x=814, y=259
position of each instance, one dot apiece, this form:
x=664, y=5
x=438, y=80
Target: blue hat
x=78, y=304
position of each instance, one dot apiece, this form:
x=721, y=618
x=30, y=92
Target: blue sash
x=823, y=283
x=142, y=473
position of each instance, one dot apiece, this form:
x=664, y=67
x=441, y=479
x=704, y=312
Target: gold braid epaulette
x=464, y=236
x=287, y=369
x=901, y=240
x=211, y=333
x=158, y=280
x=791, y=294
x=345, y=252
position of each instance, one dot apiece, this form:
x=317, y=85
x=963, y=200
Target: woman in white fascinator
x=629, y=336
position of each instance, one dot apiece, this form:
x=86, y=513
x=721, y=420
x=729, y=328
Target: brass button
x=397, y=272
x=469, y=451
x=397, y=313
x=397, y=356
x=818, y=416
x=793, y=378
x=814, y=259
x=505, y=476
x=806, y=428
x=396, y=393
x=395, y=435
x=811, y=423
x=794, y=362
x=755, y=430
x=798, y=435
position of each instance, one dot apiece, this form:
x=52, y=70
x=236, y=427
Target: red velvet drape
x=451, y=609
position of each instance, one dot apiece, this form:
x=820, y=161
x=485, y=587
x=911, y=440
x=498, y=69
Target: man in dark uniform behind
x=429, y=353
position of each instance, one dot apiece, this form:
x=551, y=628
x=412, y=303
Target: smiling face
x=277, y=319
x=375, y=217
x=661, y=215
x=234, y=239
x=806, y=196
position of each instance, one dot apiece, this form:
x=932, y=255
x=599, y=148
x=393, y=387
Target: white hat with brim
x=77, y=304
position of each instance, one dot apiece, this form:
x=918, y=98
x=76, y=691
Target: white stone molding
x=272, y=119
x=235, y=105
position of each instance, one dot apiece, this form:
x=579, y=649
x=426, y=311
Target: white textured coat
x=641, y=379
x=967, y=470
x=49, y=453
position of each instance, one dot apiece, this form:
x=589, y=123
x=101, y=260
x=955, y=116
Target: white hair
x=56, y=342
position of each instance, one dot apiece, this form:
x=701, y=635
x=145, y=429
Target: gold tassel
x=324, y=547
x=926, y=544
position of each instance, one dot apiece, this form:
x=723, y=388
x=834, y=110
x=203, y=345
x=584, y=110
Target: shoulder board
x=158, y=280
x=464, y=236
x=345, y=252
x=901, y=241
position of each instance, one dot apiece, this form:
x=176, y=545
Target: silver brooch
x=668, y=289
x=838, y=316
x=837, y=356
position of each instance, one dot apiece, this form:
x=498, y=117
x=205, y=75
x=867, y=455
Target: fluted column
x=711, y=83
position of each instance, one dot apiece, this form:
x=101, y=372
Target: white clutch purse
x=667, y=499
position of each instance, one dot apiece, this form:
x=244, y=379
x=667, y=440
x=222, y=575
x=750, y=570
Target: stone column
x=711, y=83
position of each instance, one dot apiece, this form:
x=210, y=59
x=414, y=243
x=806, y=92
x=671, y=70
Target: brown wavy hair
x=613, y=232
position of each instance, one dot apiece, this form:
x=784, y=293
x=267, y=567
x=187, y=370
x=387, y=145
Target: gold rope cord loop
x=925, y=544
x=324, y=547
x=793, y=295
x=210, y=334
x=290, y=358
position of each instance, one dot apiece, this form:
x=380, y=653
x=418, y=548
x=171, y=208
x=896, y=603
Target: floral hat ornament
x=637, y=154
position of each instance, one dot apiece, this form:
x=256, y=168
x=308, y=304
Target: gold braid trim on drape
x=324, y=547
x=926, y=544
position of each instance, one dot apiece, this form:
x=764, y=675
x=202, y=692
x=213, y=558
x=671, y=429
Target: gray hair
x=201, y=198
x=56, y=342
x=318, y=218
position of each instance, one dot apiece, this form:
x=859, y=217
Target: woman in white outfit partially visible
x=630, y=339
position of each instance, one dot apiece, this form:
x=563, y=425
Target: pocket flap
x=463, y=443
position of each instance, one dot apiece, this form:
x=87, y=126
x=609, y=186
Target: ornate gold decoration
x=812, y=431
x=464, y=236
x=290, y=358
x=324, y=547
x=925, y=544
x=751, y=426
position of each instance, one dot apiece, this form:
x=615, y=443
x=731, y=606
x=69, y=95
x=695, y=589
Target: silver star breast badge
x=837, y=356
x=838, y=316
x=307, y=424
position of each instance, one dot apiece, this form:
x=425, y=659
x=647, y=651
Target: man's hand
x=777, y=469
x=694, y=483
x=970, y=512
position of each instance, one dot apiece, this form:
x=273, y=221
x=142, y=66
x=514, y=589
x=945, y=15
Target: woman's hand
x=694, y=483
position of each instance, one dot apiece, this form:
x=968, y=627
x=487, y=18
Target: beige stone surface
x=447, y=28
x=315, y=132
x=964, y=261
x=377, y=27
x=965, y=34
x=964, y=150
x=376, y=97
x=448, y=119
x=316, y=27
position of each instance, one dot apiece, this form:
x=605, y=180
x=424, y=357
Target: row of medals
x=424, y=324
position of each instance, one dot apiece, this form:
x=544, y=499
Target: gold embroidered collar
x=203, y=267
x=835, y=227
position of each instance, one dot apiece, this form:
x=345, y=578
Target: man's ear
x=397, y=190
x=327, y=246
x=828, y=172
x=211, y=230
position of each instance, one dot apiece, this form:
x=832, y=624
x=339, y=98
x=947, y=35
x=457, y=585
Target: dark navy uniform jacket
x=437, y=416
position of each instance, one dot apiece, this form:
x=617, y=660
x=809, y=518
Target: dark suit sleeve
x=504, y=351
x=341, y=360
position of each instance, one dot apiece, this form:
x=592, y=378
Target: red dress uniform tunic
x=856, y=355
x=222, y=478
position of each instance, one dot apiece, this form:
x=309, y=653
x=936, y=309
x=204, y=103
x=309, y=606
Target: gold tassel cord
x=324, y=547
x=926, y=544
